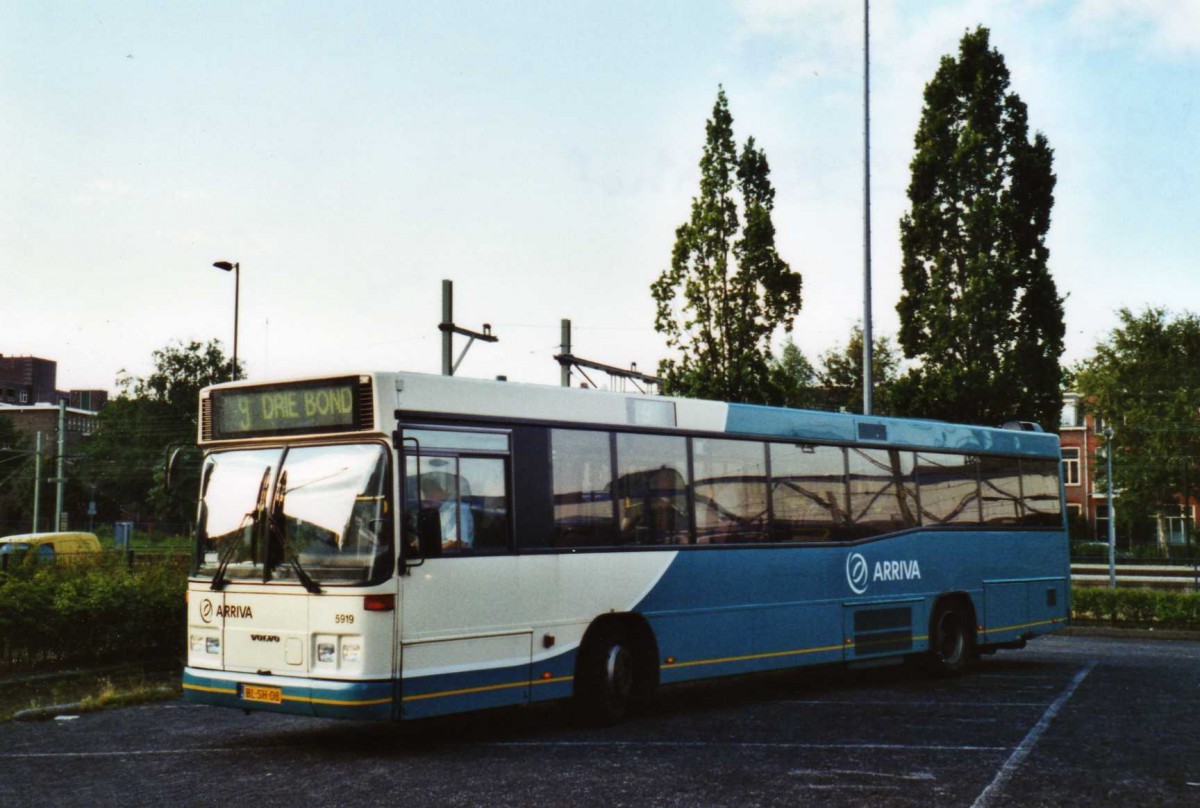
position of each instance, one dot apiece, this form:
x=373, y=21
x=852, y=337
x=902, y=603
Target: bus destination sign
x=327, y=406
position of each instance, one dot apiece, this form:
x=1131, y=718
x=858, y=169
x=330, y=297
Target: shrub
x=1136, y=607
x=98, y=611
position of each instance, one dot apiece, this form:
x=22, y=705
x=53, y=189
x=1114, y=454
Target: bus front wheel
x=951, y=643
x=606, y=677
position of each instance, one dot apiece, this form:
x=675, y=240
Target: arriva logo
x=856, y=573
x=859, y=572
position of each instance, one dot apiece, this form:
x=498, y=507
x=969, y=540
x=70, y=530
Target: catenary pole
x=59, y=479
x=565, y=368
x=1112, y=517
x=37, y=484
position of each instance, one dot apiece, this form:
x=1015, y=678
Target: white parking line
x=1026, y=746
x=746, y=745
x=926, y=703
x=31, y=755
x=858, y=773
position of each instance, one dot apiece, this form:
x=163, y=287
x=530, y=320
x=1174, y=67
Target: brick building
x=1081, y=435
x=28, y=380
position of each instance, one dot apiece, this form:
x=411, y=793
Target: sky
x=350, y=156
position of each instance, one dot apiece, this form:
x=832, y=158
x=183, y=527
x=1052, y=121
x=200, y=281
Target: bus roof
x=411, y=396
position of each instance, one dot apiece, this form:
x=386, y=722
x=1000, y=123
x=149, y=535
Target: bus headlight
x=196, y=643
x=212, y=645
x=351, y=651
x=325, y=652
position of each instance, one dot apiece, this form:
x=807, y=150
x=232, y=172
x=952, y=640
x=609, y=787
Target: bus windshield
x=318, y=512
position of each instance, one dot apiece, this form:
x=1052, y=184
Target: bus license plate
x=269, y=695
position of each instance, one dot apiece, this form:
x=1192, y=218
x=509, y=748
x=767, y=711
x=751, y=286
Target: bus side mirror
x=180, y=465
x=170, y=476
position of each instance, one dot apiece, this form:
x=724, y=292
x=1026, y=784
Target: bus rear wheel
x=606, y=678
x=951, y=642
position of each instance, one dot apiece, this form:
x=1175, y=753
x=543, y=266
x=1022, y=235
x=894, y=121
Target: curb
x=1115, y=632
x=42, y=713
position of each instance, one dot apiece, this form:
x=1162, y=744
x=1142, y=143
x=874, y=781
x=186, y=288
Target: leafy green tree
x=16, y=476
x=1144, y=381
x=125, y=457
x=726, y=290
x=840, y=374
x=793, y=378
x=979, y=311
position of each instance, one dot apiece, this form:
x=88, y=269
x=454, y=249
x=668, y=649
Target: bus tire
x=606, y=677
x=951, y=641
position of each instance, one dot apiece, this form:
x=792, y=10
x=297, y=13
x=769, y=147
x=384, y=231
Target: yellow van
x=46, y=547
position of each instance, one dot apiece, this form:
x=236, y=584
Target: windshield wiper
x=275, y=529
x=227, y=553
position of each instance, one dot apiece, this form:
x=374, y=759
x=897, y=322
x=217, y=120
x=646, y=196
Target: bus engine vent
x=882, y=631
x=206, y=418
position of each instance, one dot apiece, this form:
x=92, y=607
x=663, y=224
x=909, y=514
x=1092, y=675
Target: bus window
x=882, y=491
x=458, y=505
x=484, y=490
x=949, y=489
x=332, y=506
x=581, y=471
x=233, y=499
x=45, y=553
x=730, y=490
x=1039, y=485
x=652, y=483
x=1000, y=490
x=808, y=492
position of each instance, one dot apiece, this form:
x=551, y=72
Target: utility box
x=122, y=534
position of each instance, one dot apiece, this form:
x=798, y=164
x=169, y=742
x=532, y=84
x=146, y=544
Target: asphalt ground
x=1067, y=721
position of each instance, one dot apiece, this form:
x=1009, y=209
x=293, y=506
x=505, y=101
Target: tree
x=793, y=379
x=979, y=309
x=726, y=290
x=1144, y=381
x=841, y=378
x=125, y=457
x=16, y=475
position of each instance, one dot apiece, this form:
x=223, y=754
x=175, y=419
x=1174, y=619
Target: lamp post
x=1112, y=521
x=236, y=268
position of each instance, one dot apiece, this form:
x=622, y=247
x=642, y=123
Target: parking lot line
x=1026, y=746
x=747, y=745
x=927, y=703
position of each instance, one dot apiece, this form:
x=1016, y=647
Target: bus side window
x=652, y=489
x=485, y=491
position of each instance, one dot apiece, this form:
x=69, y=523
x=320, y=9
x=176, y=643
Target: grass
x=90, y=690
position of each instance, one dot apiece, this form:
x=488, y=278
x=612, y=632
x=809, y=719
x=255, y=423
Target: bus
x=399, y=545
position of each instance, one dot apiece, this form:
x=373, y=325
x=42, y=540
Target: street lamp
x=237, y=284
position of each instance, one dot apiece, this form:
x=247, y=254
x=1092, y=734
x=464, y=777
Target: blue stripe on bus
x=772, y=422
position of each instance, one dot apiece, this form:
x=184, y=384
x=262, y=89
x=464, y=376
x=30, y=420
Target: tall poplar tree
x=979, y=311
x=727, y=290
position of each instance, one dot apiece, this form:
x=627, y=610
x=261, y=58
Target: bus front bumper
x=322, y=698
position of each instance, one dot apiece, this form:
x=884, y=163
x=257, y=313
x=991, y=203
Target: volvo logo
x=856, y=572
x=206, y=610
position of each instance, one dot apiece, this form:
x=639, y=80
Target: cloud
x=102, y=192
x=1170, y=27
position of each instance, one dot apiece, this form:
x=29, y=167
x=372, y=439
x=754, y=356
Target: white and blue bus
x=398, y=545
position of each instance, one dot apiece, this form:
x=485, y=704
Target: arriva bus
x=397, y=545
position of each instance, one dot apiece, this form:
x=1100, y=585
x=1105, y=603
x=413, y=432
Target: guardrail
x=1179, y=577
